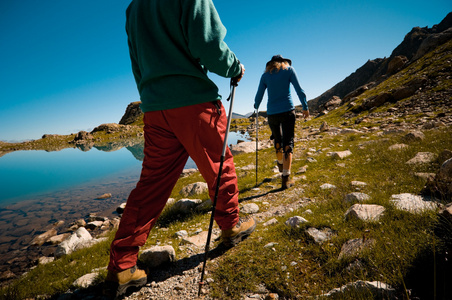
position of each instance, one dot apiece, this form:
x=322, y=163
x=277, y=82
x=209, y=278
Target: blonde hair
x=276, y=65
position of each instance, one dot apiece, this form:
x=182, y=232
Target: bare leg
x=287, y=161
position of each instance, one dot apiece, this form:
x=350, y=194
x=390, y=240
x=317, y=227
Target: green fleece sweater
x=172, y=45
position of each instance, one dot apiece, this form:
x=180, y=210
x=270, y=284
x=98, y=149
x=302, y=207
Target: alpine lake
x=39, y=188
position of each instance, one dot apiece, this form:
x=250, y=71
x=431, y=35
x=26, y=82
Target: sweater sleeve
x=300, y=92
x=260, y=93
x=205, y=34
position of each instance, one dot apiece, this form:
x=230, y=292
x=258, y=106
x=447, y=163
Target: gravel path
x=180, y=279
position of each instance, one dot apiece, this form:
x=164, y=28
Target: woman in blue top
x=278, y=76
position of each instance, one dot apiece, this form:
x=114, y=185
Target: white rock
x=250, y=208
x=412, y=203
x=327, y=186
x=358, y=184
x=295, y=221
x=341, y=154
x=86, y=280
x=76, y=240
x=365, y=212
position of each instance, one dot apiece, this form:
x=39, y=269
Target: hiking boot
x=116, y=284
x=231, y=237
x=286, y=182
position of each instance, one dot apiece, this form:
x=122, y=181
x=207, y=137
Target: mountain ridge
x=416, y=44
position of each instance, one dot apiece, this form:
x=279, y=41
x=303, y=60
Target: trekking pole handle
x=235, y=81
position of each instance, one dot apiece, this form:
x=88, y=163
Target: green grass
x=297, y=267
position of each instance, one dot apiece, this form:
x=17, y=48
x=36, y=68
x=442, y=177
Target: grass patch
x=295, y=267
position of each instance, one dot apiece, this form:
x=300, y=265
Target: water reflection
x=27, y=174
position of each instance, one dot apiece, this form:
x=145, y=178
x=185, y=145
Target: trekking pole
x=223, y=153
x=257, y=139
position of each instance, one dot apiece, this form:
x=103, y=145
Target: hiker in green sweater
x=172, y=45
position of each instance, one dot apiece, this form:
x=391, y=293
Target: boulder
x=441, y=185
x=77, y=240
x=108, y=128
x=200, y=239
x=186, y=205
x=104, y=196
x=133, y=113
x=341, y=154
x=356, y=197
x=413, y=136
x=250, y=208
x=157, y=256
x=245, y=147
x=422, y=158
x=194, y=189
x=121, y=207
x=94, y=224
x=86, y=280
x=295, y=222
x=320, y=236
x=45, y=260
x=365, y=212
x=83, y=136
x=396, y=64
x=43, y=238
x=327, y=186
x=358, y=184
x=333, y=103
x=412, y=203
x=58, y=239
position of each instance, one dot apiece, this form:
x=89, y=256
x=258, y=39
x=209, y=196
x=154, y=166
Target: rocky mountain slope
x=416, y=44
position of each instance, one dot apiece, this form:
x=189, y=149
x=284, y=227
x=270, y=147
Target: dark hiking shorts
x=283, y=129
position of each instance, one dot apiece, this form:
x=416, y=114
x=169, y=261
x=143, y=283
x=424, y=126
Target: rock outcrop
x=132, y=114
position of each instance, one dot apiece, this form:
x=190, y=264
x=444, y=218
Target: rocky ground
x=180, y=279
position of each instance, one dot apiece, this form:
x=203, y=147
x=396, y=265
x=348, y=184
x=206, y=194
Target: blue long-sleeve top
x=277, y=85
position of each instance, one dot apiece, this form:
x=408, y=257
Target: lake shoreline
x=24, y=220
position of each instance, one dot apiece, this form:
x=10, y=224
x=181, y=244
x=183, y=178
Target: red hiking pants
x=171, y=136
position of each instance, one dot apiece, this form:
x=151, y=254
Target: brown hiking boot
x=231, y=237
x=286, y=182
x=116, y=284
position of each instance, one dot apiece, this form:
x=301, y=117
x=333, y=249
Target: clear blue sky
x=64, y=65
